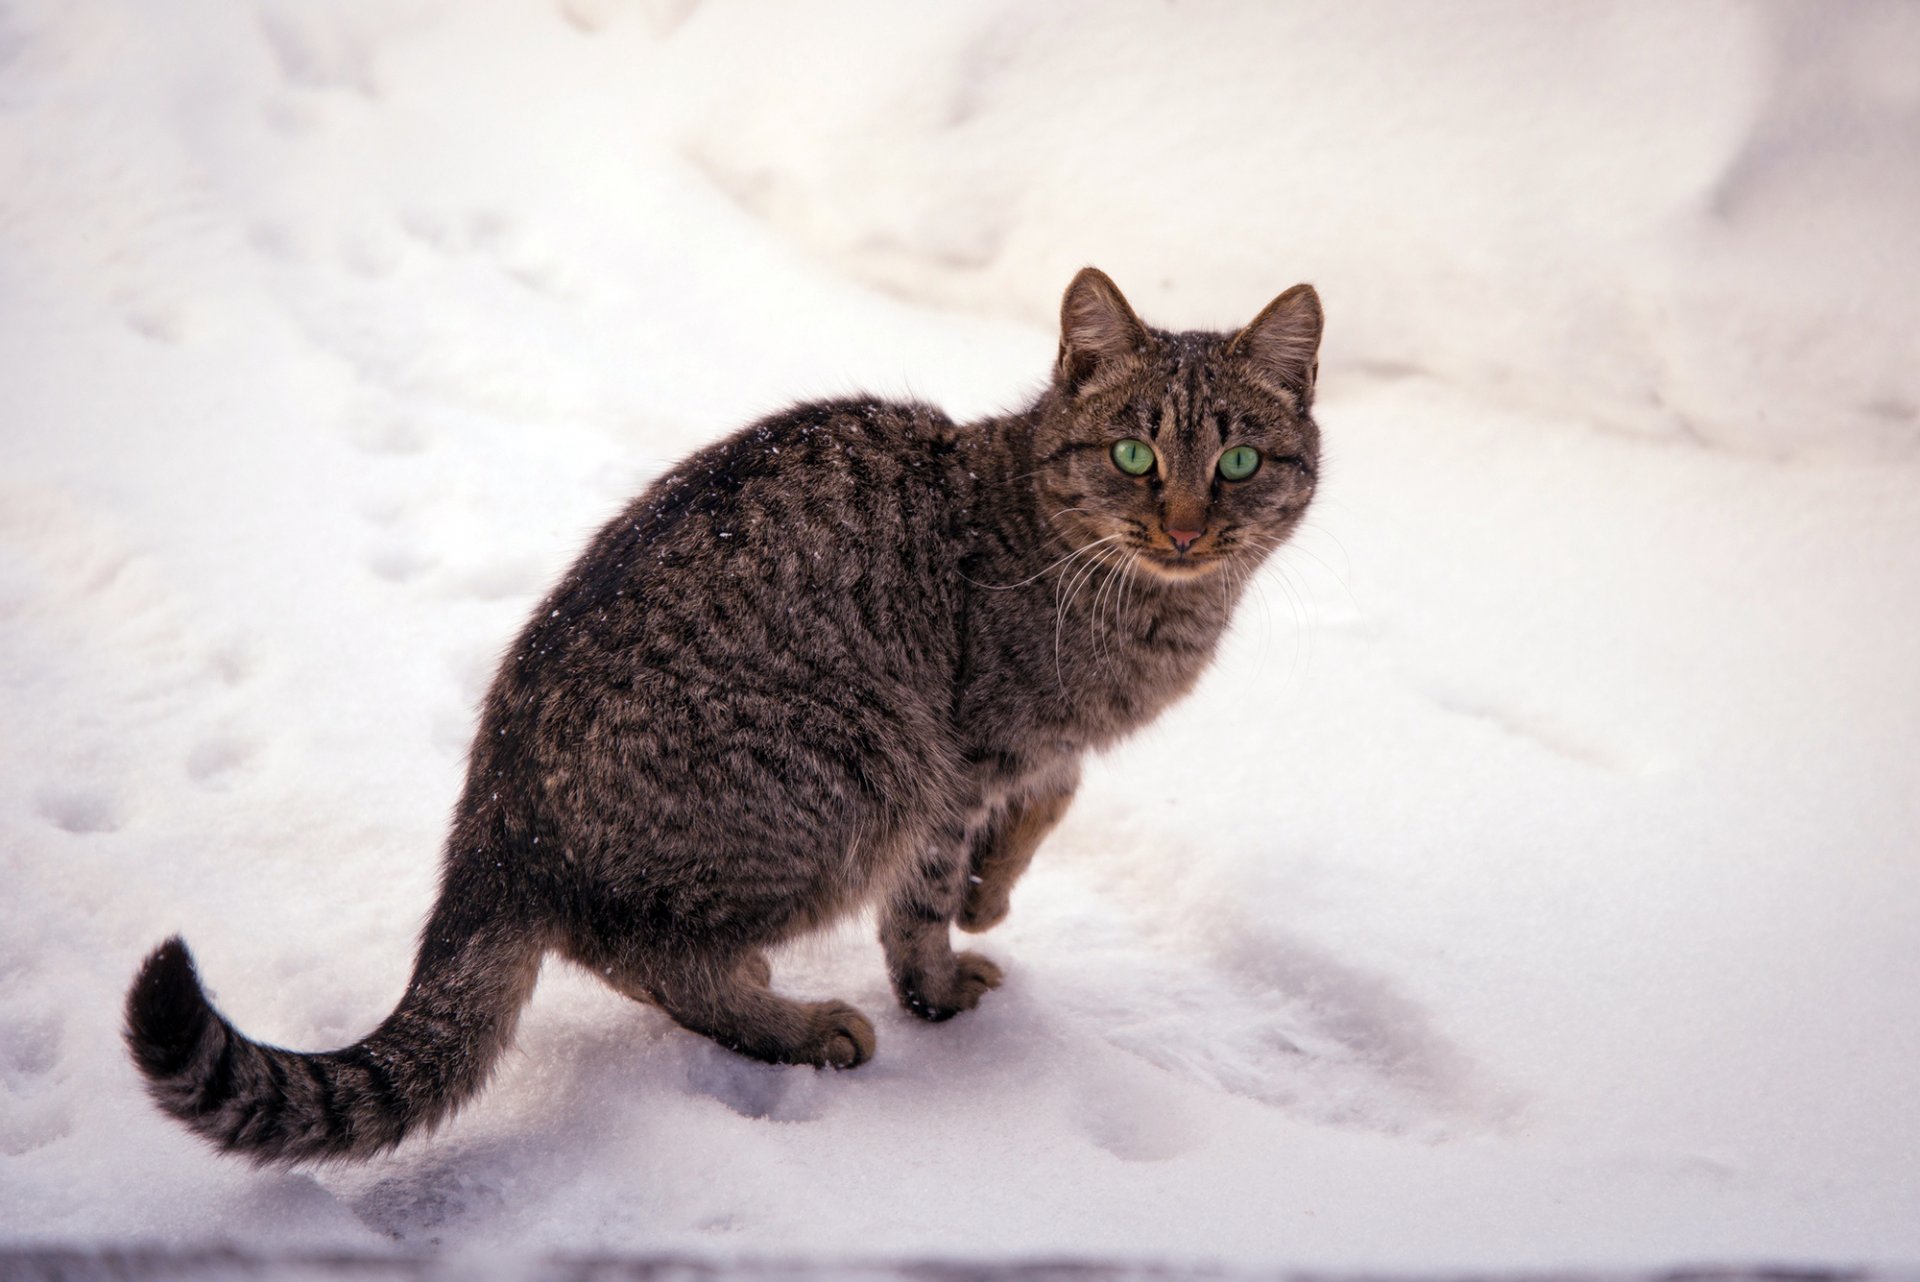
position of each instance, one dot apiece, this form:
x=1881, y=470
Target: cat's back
x=809, y=538
x=779, y=602
x=844, y=482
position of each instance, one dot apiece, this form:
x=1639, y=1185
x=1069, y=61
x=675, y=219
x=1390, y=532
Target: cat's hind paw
x=842, y=1036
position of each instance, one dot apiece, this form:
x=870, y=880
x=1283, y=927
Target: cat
x=851, y=655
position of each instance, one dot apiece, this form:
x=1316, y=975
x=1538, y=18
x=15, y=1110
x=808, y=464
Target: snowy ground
x=227, y=1264
x=1534, y=883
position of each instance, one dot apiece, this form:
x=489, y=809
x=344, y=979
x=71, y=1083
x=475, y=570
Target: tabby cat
x=851, y=655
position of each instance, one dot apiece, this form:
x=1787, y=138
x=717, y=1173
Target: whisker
x=1234, y=573
x=1093, y=613
x=1314, y=527
x=1110, y=593
x=1051, y=517
x=1226, y=602
x=1009, y=480
x=1266, y=614
x=1298, y=602
x=1302, y=662
x=1002, y=587
x=1061, y=608
x=1338, y=576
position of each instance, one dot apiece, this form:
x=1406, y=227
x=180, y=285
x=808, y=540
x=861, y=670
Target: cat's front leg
x=1003, y=849
x=929, y=978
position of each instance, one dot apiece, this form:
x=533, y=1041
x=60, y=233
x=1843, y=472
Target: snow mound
x=1690, y=221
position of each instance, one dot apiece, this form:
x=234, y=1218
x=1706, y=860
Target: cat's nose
x=1184, y=539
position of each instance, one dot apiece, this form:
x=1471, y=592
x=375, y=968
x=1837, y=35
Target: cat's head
x=1185, y=451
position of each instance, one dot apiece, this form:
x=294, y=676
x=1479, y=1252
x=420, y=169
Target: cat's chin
x=1171, y=569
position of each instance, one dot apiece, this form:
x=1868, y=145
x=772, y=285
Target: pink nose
x=1184, y=539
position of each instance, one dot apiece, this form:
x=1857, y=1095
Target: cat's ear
x=1281, y=349
x=1100, y=337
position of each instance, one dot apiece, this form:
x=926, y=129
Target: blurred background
x=1535, y=882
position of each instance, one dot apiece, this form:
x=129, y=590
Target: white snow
x=1534, y=882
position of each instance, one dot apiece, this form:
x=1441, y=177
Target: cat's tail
x=270, y=1105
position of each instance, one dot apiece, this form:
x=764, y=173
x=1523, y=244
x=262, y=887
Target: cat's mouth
x=1176, y=567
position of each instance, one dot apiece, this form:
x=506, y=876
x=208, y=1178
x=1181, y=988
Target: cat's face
x=1181, y=454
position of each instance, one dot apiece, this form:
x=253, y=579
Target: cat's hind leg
x=757, y=968
x=929, y=978
x=732, y=1004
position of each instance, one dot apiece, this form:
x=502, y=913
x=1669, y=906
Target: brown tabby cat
x=852, y=654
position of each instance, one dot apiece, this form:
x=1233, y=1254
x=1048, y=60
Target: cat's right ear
x=1100, y=337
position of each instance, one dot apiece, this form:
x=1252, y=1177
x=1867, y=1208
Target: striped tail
x=271, y=1106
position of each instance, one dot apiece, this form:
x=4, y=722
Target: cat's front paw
x=985, y=907
x=973, y=975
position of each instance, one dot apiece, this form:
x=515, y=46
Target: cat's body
x=851, y=655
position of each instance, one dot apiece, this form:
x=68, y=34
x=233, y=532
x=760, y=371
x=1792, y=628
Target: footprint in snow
x=163, y=322
x=33, y=1125
x=233, y=663
x=30, y=1047
x=389, y=435
x=1132, y=1113
x=414, y=1207
x=1540, y=728
x=315, y=50
x=216, y=761
x=1252, y=1012
x=397, y=562
x=82, y=808
x=762, y=1091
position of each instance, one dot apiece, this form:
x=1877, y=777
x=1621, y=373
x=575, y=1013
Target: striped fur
x=272, y=1106
x=850, y=656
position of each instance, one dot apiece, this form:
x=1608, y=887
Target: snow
x=1535, y=882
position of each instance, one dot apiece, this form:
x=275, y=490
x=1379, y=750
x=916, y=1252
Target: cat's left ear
x=1281, y=349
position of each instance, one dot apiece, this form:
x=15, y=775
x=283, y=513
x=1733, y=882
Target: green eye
x=1240, y=462
x=1135, y=458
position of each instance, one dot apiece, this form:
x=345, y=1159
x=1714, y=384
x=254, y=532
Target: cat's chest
x=1050, y=679
x=1104, y=691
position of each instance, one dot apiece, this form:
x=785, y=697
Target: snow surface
x=1534, y=882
